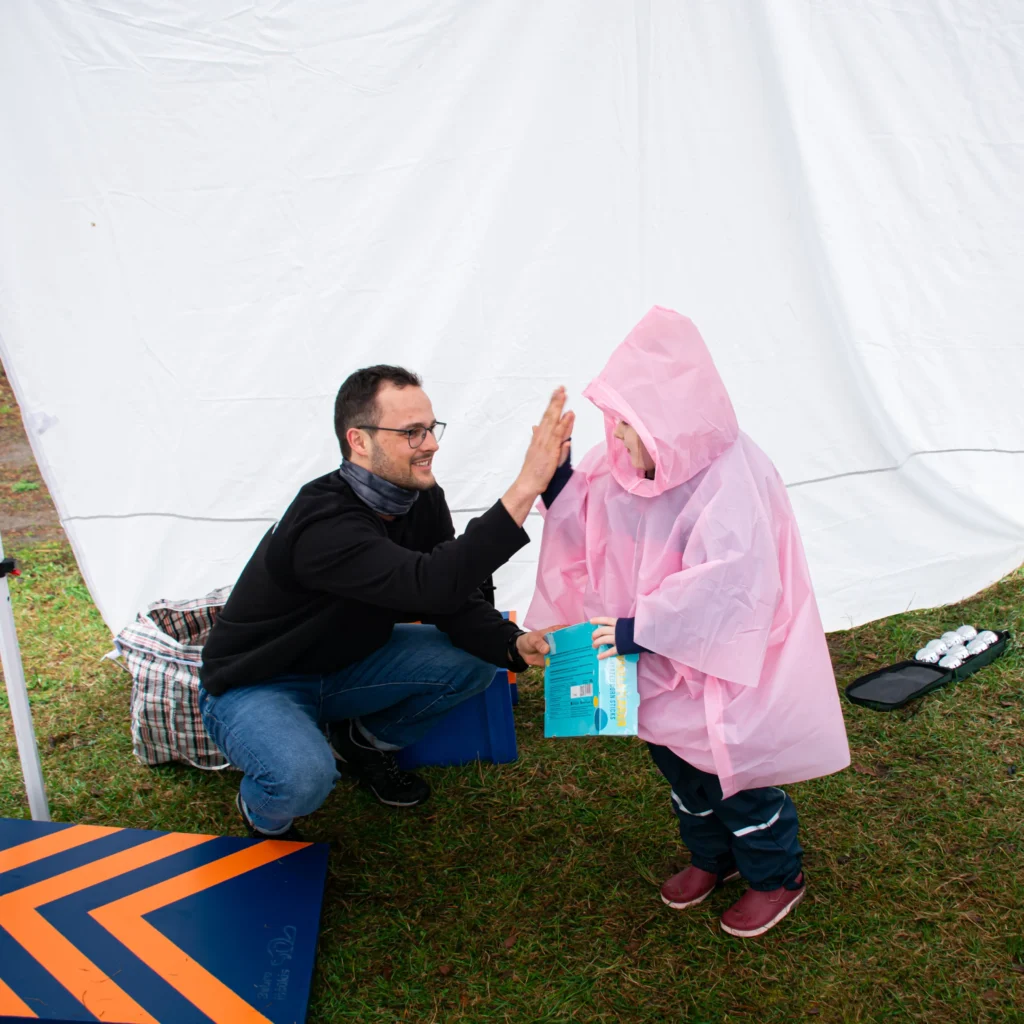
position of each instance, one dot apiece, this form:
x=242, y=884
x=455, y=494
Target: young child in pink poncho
x=675, y=537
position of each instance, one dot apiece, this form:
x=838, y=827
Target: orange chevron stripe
x=69, y=965
x=46, y=846
x=124, y=920
x=511, y=675
x=11, y=1005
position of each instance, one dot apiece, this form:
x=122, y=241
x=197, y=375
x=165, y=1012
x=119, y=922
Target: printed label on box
x=584, y=696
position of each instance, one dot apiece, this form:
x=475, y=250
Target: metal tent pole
x=17, y=695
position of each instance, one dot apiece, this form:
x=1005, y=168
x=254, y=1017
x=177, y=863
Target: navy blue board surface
x=137, y=927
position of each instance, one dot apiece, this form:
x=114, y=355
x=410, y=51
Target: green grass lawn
x=528, y=892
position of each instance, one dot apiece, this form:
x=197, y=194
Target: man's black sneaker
x=377, y=770
x=291, y=835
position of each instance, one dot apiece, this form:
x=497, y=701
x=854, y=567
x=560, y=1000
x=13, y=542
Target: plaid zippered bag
x=162, y=650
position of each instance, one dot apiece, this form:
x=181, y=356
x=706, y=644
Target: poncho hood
x=663, y=382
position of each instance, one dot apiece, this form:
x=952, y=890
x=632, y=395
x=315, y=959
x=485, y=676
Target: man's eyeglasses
x=414, y=435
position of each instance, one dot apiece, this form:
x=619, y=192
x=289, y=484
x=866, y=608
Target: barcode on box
x=586, y=690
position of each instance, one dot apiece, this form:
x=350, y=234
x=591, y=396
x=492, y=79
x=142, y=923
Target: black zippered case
x=899, y=684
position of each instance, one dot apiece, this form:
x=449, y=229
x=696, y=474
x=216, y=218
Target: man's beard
x=400, y=474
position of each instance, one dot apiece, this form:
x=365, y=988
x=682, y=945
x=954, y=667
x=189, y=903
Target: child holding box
x=676, y=539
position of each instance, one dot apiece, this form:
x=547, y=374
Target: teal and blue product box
x=584, y=696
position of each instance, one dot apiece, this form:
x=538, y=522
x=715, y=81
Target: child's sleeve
x=562, y=564
x=716, y=614
x=562, y=476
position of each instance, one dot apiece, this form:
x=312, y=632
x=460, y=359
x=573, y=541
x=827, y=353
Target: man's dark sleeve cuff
x=516, y=662
x=624, y=642
x=503, y=531
x=557, y=482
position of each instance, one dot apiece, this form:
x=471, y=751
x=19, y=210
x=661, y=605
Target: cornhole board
x=128, y=926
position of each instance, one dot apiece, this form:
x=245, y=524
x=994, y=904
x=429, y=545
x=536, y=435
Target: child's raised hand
x=604, y=636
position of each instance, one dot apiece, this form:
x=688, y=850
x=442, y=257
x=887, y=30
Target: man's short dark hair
x=357, y=398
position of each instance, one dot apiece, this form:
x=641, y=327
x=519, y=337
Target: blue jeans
x=274, y=730
x=754, y=830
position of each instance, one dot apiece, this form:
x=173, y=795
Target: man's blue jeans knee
x=400, y=691
x=274, y=730
x=271, y=732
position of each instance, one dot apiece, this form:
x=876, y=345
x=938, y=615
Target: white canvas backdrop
x=212, y=213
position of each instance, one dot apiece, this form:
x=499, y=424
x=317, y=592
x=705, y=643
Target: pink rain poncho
x=707, y=558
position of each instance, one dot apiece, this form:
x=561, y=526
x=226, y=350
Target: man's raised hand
x=546, y=451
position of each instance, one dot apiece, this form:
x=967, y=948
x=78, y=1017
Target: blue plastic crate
x=478, y=729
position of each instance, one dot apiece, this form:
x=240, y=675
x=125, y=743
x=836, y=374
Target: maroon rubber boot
x=692, y=886
x=755, y=912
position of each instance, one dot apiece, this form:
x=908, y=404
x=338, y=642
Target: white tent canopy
x=211, y=213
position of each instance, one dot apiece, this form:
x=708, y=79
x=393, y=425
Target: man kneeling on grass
x=314, y=662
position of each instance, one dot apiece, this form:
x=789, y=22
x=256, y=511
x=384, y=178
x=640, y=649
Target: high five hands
x=549, y=448
x=548, y=445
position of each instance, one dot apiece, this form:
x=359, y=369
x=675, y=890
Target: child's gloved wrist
x=624, y=642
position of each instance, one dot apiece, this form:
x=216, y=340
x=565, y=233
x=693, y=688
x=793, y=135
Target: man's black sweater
x=327, y=584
